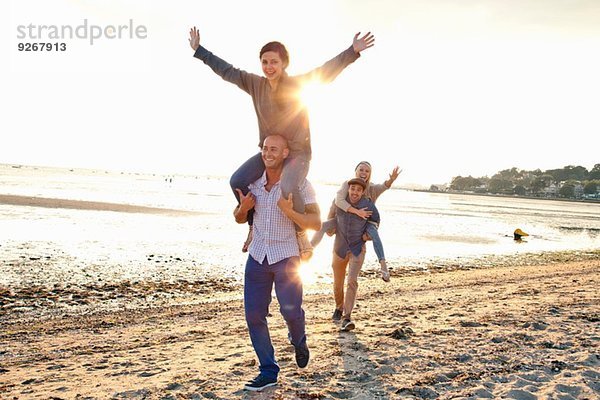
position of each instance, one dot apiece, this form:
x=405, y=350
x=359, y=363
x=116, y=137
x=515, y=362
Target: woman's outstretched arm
x=332, y=68
x=246, y=81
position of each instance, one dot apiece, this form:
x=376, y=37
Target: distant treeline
x=567, y=182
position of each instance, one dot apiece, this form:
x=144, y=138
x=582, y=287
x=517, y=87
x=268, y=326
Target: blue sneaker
x=259, y=383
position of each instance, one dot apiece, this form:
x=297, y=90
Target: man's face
x=363, y=171
x=274, y=151
x=355, y=192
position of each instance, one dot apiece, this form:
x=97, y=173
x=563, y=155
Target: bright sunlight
x=319, y=266
x=312, y=95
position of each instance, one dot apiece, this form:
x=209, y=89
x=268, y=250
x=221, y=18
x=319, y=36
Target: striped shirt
x=274, y=234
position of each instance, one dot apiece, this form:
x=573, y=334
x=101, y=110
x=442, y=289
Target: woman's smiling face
x=272, y=65
x=363, y=171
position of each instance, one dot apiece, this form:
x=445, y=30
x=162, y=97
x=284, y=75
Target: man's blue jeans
x=258, y=284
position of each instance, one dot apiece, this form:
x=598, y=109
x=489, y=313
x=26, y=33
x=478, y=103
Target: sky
x=450, y=87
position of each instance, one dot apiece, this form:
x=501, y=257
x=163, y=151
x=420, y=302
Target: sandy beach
x=519, y=332
x=36, y=201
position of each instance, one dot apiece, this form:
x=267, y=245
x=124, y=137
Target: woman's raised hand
x=368, y=40
x=194, y=38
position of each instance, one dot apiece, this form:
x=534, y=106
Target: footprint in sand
x=133, y=394
x=345, y=394
x=174, y=386
x=419, y=392
x=482, y=393
x=147, y=374
x=519, y=394
x=592, y=380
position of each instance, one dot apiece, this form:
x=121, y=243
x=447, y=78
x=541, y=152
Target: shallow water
x=58, y=245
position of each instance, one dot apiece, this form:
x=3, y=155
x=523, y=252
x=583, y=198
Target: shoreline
x=504, y=196
x=59, y=298
x=47, y=202
x=520, y=332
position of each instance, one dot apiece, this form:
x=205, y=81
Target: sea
x=420, y=230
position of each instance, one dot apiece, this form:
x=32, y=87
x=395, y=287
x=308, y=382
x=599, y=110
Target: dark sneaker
x=337, y=315
x=259, y=383
x=347, y=325
x=302, y=355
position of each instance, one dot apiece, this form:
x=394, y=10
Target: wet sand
x=508, y=331
x=33, y=201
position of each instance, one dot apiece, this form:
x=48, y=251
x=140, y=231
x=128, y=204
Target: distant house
x=438, y=188
x=481, y=188
x=551, y=190
x=578, y=191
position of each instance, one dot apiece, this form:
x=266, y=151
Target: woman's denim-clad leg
x=258, y=284
x=295, y=170
x=325, y=226
x=377, y=245
x=249, y=172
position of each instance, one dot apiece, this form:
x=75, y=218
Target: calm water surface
x=50, y=244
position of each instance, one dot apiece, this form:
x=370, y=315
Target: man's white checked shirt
x=274, y=235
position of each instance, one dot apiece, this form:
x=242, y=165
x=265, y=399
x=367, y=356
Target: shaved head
x=277, y=140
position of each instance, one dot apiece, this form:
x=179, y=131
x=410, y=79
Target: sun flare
x=311, y=95
x=318, y=269
x=308, y=273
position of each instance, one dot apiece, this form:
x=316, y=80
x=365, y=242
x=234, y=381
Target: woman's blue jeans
x=371, y=230
x=295, y=170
